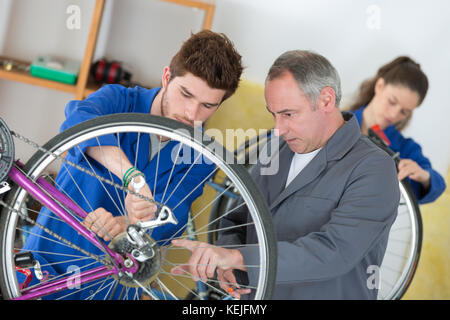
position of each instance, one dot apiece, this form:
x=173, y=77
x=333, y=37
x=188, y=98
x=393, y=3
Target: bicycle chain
x=50, y=232
x=35, y=145
x=58, y=237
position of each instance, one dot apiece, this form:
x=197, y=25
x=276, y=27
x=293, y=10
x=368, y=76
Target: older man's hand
x=204, y=261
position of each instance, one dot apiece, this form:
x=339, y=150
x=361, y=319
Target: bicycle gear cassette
x=147, y=270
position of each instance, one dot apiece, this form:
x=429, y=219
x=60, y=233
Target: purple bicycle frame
x=45, y=193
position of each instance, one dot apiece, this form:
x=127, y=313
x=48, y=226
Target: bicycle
x=405, y=237
x=132, y=264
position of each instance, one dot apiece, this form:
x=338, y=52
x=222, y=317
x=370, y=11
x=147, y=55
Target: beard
x=164, y=105
x=165, y=111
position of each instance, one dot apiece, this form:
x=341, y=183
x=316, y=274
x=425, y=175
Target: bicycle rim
x=403, y=248
x=11, y=223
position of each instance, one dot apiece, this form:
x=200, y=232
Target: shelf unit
x=83, y=88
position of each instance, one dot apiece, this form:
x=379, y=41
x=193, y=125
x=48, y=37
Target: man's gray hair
x=312, y=72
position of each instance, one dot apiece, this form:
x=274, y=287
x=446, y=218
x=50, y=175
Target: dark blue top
x=409, y=149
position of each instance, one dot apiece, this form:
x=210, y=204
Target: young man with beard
x=204, y=73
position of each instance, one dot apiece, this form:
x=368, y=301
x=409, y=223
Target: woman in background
x=389, y=100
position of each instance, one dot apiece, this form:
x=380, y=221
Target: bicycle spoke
x=112, y=285
x=220, y=217
x=225, y=246
x=78, y=187
x=182, y=179
x=82, y=289
x=101, y=182
x=391, y=253
x=137, y=149
x=161, y=287
x=181, y=284
x=56, y=218
x=164, y=288
x=188, y=275
x=127, y=291
x=100, y=288
x=171, y=172
x=157, y=164
x=247, y=266
x=192, y=191
x=399, y=240
x=198, y=214
x=66, y=261
x=391, y=285
x=391, y=269
x=146, y=290
x=136, y=294
x=203, y=227
x=127, y=220
x=401, y=228
x=84, y=197
x=123, y=211
x=220, y=229
x=51, y=253
x=43, y=237
x=86, y=200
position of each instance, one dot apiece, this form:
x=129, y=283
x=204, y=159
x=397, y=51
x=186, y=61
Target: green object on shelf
x=61, y=70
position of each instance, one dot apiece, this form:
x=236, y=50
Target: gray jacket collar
x=336, y=147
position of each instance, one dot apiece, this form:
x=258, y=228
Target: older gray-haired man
x=333, y=200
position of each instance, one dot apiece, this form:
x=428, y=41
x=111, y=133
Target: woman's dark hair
x=401, y=71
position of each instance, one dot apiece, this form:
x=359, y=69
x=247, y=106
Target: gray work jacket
x=332, y=221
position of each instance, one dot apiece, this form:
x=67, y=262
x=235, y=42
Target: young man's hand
x=104, y=224
x=115, y=160
x=139, y=209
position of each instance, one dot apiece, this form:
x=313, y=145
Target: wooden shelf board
x=192, y=3
x=25, y=77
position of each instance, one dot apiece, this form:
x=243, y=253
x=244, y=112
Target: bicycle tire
x=407, y=226
x=150, y=125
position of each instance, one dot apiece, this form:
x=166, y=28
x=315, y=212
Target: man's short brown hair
x=212, y=57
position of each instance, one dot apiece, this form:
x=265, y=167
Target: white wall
x=347, y=33
x=357, y=37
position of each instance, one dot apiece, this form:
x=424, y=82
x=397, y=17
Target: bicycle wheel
x=403, y=248
x=246, y=154
x=152, y=277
